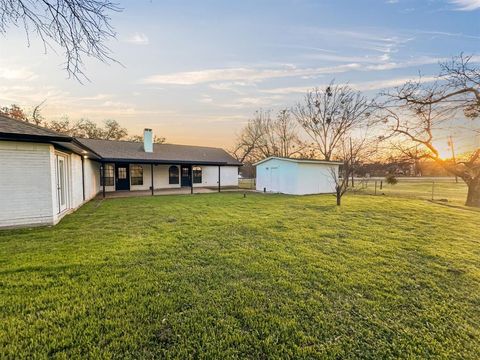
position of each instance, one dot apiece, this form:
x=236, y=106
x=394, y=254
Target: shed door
x=274, y=179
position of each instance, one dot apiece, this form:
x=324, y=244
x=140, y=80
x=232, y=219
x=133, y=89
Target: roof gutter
x=34, y=138
x=180, y=162
x=307, y=161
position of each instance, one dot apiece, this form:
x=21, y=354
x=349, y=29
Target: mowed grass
x=440, y=189
x=220, y=276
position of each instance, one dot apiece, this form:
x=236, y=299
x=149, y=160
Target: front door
x=61, y=173
x=122, y=178
x=185, y=178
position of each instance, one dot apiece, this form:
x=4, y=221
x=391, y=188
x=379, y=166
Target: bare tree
x=418, y=114
x=37, y=117
x=458, y=87
x=17, y=112
x=249, y=139
x=85, y=128
x=156, y=139
x=329, y=115
x=80, y=27
x=351, y=152
x=284, y=136
x=113, y=130
x=263, y=137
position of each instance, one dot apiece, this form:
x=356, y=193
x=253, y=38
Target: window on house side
x=173, y=177
x=109, y=175
x=136, y=175
x=197, y=175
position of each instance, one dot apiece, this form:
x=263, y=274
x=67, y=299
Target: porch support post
x=191, y=179
x=103, y=178
x=219, y=178
x=151, y=169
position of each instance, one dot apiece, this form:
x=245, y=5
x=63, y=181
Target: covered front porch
x=135, y=193
x=120, y=179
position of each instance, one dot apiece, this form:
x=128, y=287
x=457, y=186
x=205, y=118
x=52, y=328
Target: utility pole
x=351, y=160
x=450, y=143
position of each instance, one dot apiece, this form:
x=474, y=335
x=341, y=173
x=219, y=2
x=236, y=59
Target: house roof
x=21, y=130
x=111, y=150
x=309, y=161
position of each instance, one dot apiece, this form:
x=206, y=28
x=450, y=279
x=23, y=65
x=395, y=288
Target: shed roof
x=309, y=161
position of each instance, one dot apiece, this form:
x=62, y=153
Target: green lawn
x=444, y=189
x=268, y=276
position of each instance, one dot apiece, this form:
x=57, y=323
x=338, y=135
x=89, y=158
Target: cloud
x=138, y=39
x=252, y=102
x=370, y=39
x=361, y=86
x=242, y=74
x=232, y=78
x=466, y=5
x=8, y=72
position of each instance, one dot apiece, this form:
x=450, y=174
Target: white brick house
x=45, y=175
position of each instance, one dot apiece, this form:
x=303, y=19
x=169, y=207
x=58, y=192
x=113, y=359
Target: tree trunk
x=339, y=196
x=473, y=196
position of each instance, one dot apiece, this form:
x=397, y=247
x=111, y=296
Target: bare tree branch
x=328, y=115
x=80, y=27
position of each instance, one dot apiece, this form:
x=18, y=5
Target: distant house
x=45, y=175
x=296, y=176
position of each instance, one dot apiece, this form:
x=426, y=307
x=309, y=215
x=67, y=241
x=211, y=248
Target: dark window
x=197, y=175
x=122, y=173
x=109, y=175
x=173, y=175
x=136, y=175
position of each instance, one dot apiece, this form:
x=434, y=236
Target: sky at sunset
x=195, y=71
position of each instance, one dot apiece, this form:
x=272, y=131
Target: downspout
x=218, y=178
x=102, y=169
x=83, y=177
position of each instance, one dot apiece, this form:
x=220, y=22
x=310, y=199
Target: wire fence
x=442, y=189
x=249, y=184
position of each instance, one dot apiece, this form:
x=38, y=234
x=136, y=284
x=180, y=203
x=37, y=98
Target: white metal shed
x=296, y=176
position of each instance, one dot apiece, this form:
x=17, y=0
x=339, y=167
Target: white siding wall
x=277, y=175
x=296, y=178
x=316, y=178
x=75, y=183
x=92, y=178
x=76, y=187
x=160, y=177
x=25, y=183
x=228, y=176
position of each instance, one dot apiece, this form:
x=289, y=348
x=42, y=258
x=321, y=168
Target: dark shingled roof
x=111, y=150
x=17, y=129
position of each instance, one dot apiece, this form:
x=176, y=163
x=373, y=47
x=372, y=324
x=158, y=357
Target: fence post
x=433, y=190
x=381, y=184
x=375, y=187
